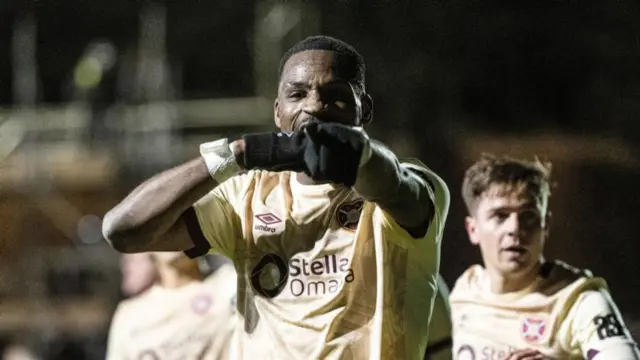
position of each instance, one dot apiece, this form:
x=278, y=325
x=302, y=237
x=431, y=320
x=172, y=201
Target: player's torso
x=194, y=322
x=491, y=328
x=313, y=276
x=492, y=334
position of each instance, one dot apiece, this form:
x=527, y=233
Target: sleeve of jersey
x=439, y=195
x=440, y=342
x=596, y=329
x=116, y=343
x=213, y=223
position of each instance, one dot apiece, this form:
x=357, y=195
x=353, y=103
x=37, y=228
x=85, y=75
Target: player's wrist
x=273, y=151
x=367, y=148
x=219, y=157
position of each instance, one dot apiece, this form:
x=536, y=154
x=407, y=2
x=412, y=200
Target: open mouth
x=516, y=250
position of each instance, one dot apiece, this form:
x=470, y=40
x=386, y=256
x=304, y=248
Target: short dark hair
x=351, y=63
x=515, y=174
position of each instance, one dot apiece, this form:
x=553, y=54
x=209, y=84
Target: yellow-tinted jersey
x=322, y=273
x=439, y=346
x=565, y=314
x=192, y=322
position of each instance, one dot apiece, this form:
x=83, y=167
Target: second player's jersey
x=565, y=314
x=192, y=322
x=322, y=273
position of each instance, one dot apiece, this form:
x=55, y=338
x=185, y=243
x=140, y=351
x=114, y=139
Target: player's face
x=510, y=228
x=310, y=87
x=138, y=273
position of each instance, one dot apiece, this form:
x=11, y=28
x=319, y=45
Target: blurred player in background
x=519, y=305
x=439, y=345
x=335, y=241
x=138, y=273
x=185, y=315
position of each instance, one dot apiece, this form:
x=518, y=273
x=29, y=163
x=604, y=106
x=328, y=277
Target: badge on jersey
x=348, y=214
x=201, y=304
x=533, y=329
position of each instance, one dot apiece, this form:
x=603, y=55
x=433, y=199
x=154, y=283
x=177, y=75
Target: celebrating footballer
x=520, y=305
x=335, y=241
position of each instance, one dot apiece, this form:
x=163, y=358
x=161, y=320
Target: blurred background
x=97, y=95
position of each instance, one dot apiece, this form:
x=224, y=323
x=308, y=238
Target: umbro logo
x=267, y=219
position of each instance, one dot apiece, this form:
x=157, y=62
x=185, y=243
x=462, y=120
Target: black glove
x=333, y=151
x=273, y=152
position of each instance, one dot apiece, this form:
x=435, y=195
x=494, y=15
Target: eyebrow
x=523, y=206
x=303, y=85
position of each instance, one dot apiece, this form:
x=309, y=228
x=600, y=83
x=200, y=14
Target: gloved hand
x=334, y=152
x=273, y=151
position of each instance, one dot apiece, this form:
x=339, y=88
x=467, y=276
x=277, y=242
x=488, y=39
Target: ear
x=470, y=225
x=276, y=113
x=367, y=109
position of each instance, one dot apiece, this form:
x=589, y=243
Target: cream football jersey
x=565, y=314
x=192, y=322
x=323, y=274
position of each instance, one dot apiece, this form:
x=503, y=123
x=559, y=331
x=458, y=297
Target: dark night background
x=450, y=80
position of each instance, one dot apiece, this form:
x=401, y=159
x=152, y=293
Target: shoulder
x=127, y=309
x=468, y=282
x=560, y=269
x=594, y=301
x=255, y=178
x=238, y=186
x=559, y=276
x=238, y=183
x=595, y=311
x=130, y=304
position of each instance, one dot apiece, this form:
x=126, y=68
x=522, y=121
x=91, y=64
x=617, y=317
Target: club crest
x=201, y=304
x=533, y=329
x=348, y=214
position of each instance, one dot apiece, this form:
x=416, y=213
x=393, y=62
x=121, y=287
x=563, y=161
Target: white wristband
x=220, y=160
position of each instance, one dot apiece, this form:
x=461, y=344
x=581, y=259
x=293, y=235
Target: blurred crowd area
x=97, y=95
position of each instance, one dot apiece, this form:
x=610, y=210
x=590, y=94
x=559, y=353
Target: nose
x=512, y=224
x=314, y=104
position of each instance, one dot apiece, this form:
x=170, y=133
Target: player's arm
x=597, y=329
x=346, y=155
x=401, y=191
x=150, y=218
x=160, y=214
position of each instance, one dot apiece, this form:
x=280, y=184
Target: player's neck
x=171, y=277
x=502, y=284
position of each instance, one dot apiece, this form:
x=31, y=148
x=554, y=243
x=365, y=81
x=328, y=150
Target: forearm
x=399, y=191
x=154, y=206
